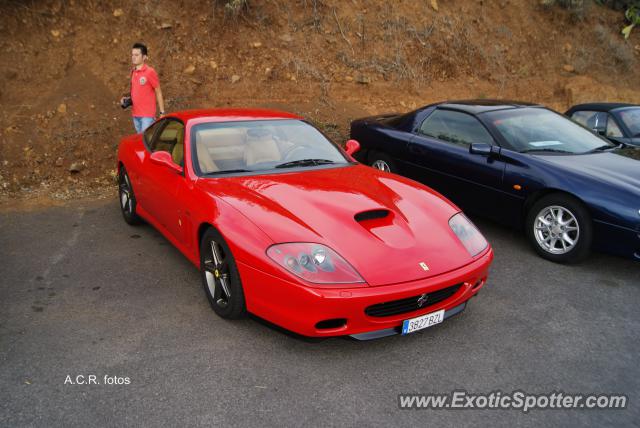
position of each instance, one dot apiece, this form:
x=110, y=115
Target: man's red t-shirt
x=143, y=84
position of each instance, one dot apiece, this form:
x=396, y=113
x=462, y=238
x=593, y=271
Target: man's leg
x=137, y=123
x=145, y=122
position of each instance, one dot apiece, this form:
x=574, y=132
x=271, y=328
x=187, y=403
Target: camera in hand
x=126, y=102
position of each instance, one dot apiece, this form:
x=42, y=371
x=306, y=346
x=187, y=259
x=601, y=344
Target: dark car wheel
x=559, y=228
x=127, y=198
x=382, y=162
x=220, y=276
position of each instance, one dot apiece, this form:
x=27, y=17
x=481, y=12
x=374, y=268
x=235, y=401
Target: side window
x=148, y=133
x=613, y=130
x=455, y=127
x=594, y=120
x=171, y=140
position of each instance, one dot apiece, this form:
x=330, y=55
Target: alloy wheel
x=556, y=229
x=216, y=270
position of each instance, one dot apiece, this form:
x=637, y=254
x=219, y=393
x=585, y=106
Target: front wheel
x=220, y=276
x=559, y=228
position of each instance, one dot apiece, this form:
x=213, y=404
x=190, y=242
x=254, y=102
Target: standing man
x=145, y=90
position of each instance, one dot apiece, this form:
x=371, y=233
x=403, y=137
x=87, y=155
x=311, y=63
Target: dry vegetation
x=329, y=60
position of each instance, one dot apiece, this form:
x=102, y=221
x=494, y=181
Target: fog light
x=331, y=324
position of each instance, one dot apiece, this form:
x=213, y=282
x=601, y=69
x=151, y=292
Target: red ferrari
x=284, y=224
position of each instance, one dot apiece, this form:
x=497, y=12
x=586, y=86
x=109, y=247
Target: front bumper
x=299, y=308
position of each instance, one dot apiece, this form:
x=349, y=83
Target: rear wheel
x=220, y=276
x=559, y=228
x=382, y=162
x=127, y=198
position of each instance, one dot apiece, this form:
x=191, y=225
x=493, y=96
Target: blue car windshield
x=631, y=118
x=540, y=130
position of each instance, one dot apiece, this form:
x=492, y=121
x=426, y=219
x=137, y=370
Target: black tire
x=227, y=303
x=127, y=198
x=381, y=161
x=572, y=214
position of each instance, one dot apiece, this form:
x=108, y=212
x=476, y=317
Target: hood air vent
x=371, y=215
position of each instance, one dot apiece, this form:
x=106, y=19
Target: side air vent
x=371, y=215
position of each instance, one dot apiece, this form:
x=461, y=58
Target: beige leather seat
x=178, y=153
x=205, y=162
x=261, y=148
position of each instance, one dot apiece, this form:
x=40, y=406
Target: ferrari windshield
x=541, y=130
x=260, y=145
x=631, y=118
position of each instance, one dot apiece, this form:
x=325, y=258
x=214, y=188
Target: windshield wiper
x=227, y=171
x=304, y=162
x=546, y=150
x=603, y=148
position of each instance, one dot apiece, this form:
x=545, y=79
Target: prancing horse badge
x=424, y=266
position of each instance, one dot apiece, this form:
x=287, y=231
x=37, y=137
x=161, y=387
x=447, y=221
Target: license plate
x=424, y=321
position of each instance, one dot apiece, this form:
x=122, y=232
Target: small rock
x=190, y=69
x=55, y=33
x=348, y=79
x=267, y=70
x=118, y=12
x=434, y=5
x=62, y=108
x=59, y=162
x=235, y=78
x=568, y=68
x=286, y=38
x=213, y=65
x=256, y=44
x=76, y=167
x=165, y=26
x=363, y=80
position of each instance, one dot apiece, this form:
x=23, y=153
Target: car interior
x=228, y=148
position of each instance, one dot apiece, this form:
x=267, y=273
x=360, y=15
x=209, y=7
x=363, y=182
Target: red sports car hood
x=384, y=225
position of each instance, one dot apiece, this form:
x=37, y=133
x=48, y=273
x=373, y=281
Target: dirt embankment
x=66, y=63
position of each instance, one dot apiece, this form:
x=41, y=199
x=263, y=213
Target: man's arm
x=159, y=99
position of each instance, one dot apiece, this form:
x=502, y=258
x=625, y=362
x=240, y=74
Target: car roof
x=482, y=106
x=600, y=106
x=232, y=114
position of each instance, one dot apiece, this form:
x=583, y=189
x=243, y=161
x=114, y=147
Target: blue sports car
x=520, y=164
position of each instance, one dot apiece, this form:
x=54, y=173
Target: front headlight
x=467, y=233
x=314, y=263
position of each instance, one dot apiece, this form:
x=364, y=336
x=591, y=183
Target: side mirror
x=351, y=147
x=483, y=149
x=165, y=159
x=600, y=131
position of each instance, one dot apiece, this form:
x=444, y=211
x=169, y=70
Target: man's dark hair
x=141, y=46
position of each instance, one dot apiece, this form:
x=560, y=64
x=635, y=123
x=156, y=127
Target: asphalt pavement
x=82, y=293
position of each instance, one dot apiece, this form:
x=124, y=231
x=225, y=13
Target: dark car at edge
x=618, y=122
